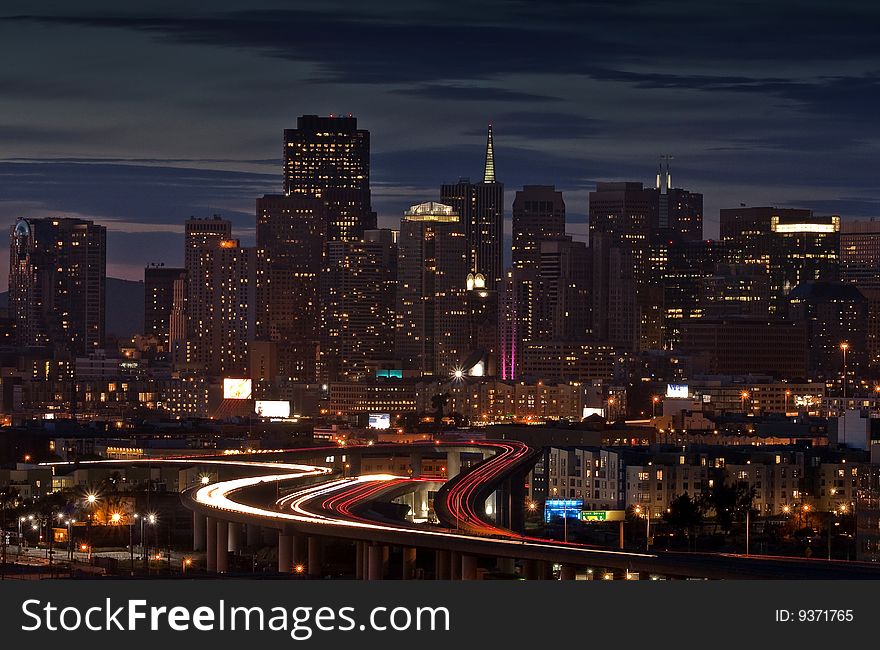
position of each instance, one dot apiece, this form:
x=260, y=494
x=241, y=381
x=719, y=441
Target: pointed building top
x=489, y=174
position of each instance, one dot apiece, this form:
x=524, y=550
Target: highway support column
x=211, y=543
x=285, y=554
x=222, y=546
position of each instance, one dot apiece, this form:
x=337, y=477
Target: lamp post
x=654, y=401
x=638, y=511
x=843, y=348
x=743, y=396
x=787, y=395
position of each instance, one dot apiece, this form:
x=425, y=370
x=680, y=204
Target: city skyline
x=796, y=134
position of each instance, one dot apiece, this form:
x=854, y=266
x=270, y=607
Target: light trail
x=218, y=496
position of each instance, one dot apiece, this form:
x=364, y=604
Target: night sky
x=139, y=117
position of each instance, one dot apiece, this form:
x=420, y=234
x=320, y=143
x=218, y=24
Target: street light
x=844, y=346
x=654, y=401
x=638, y=510
x=743, y=396
x=787, y=395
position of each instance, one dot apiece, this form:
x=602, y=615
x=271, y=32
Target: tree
x=684, y=514
x=731, y=501
x=438, y=403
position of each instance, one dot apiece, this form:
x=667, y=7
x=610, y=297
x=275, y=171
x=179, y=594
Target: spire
x=489, y=175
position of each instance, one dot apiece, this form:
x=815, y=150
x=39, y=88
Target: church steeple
x=489, y=174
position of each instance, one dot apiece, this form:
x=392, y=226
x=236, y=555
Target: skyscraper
x=833, y=313
x=233, y=315
x=860, y=253
x=291, y=231
x=680, y=211
x=358, y=290
x=431, y=319
x=793, y=246
x=159, y=283
x=564, y=292
x=328, y=158
x=538, y=215
x=860, y=265
x=57, y=280
x=481, y=209
x=624, y=224
x=203, y=237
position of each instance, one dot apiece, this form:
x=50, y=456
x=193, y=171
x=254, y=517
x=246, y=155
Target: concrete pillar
x=314, y=562
x=359, y=560
x=234, y=538
x=415, y=464
x=375, y=562
x=285, y=548
x=468, y=567
x=545, y=570
x=441, y=565
x=366, y=560
x=199, y=531
x=530, y=570
x=505, y=565
x=420, y=503
x=254, y=538
x=222, y=546
x=386, y=559
x=409, y=563
x=211, y=543
x=568, y=572
x=453, y=464
x=300, y=545
x=455, y=565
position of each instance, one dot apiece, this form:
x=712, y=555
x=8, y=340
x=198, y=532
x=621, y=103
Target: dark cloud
x=545, y=126
x=452, y=92
x=133, y=193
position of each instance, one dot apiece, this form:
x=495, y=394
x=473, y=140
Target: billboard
x=677, y=390
x=272, y=408
x=379, y=421
x=236, y=388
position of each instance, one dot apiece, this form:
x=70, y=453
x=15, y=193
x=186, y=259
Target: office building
x=568, y=361
x=860, y=253
x=563, y=304
x=481, y=209
x=358, y=290
x=202, y=238
x=233, y=315
x=745, y=346
x=431, y=316
x=159, y=288
x=538, y=215
x=624, y=224
x=291, y=232
x=834, y=314
x=680, y=212
x=792, y=245
x=328, y=158
x=57, y=284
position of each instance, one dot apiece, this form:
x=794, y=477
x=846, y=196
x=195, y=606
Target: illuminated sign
x=389, y=374
x=588, y=411
x=677, y=390
x=379, y=421
x=236, y=388
x=563, y=508
x=602, y=515
x=272, y=408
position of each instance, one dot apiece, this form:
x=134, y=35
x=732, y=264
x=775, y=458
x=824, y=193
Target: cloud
x=461, y=92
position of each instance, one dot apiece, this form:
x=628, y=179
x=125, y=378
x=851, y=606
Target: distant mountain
x=125, y=307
